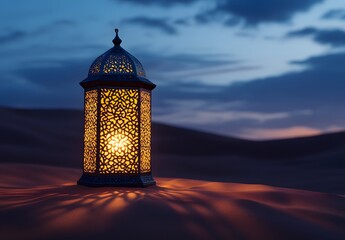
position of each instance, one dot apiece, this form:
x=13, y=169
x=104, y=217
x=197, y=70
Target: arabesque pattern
x=119, y=131
x=118, y=64
x=96, y=65
x=139, y=67
x=145, y=131
x=90, y=131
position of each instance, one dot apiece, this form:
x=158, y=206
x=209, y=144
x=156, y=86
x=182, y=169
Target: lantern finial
x=117, y=121
x=117, y=41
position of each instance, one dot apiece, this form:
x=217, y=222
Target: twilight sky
x=257, y=69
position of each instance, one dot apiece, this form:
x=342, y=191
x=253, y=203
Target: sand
x=40, y=202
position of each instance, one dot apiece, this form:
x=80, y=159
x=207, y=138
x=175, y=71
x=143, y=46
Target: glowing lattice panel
x=119, y=131
x=118, y=64
x=90, y=131
x=139, y=67
x=145, y=131
x=96, y=65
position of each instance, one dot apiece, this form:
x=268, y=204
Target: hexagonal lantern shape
x=117, y=126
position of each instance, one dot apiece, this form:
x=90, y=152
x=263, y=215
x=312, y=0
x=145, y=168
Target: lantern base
x=90, y=180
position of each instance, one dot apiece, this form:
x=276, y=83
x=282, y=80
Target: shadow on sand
x=175, y=209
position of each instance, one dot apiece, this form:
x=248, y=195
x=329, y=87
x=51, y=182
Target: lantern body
x=117, y=126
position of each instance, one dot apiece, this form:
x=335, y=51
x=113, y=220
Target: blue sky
x=257, y=69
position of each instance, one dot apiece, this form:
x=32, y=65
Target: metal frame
x=97, y=179
x=117, y=81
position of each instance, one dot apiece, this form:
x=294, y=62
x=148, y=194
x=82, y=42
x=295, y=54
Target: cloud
x=302, y=32
x=319, y=84
x=45, y=85
x=334, y=14
x=256, y=12
x=312, y=98
x=202, y=117
x=17, y=35
x=55, y=26
x=63, y=76
x=185, y=61
x=305, y=98
x=201, y=112
x=163, y=3
x=12, y=36
x=185, y=67
x=161, y=24
x=312, y=88
x=182, y=21
x=55, y=74
x=333, y=37
x=281, y=133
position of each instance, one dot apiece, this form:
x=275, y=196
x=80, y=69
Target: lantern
x=117, y=124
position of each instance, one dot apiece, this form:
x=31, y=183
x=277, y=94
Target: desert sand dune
x=39, y=202
x=208, y=186
x=54, y=137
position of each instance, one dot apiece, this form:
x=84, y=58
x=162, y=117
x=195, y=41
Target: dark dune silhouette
x=54, y=137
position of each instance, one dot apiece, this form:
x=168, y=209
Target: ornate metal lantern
x=117, y=126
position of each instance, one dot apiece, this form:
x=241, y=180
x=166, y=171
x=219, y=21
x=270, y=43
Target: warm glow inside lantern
x=117, y=127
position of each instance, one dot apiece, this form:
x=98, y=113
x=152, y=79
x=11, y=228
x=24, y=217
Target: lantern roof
x=117, y=67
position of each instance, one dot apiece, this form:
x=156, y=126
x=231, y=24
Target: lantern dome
x=117, y=121
x=117, y=67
